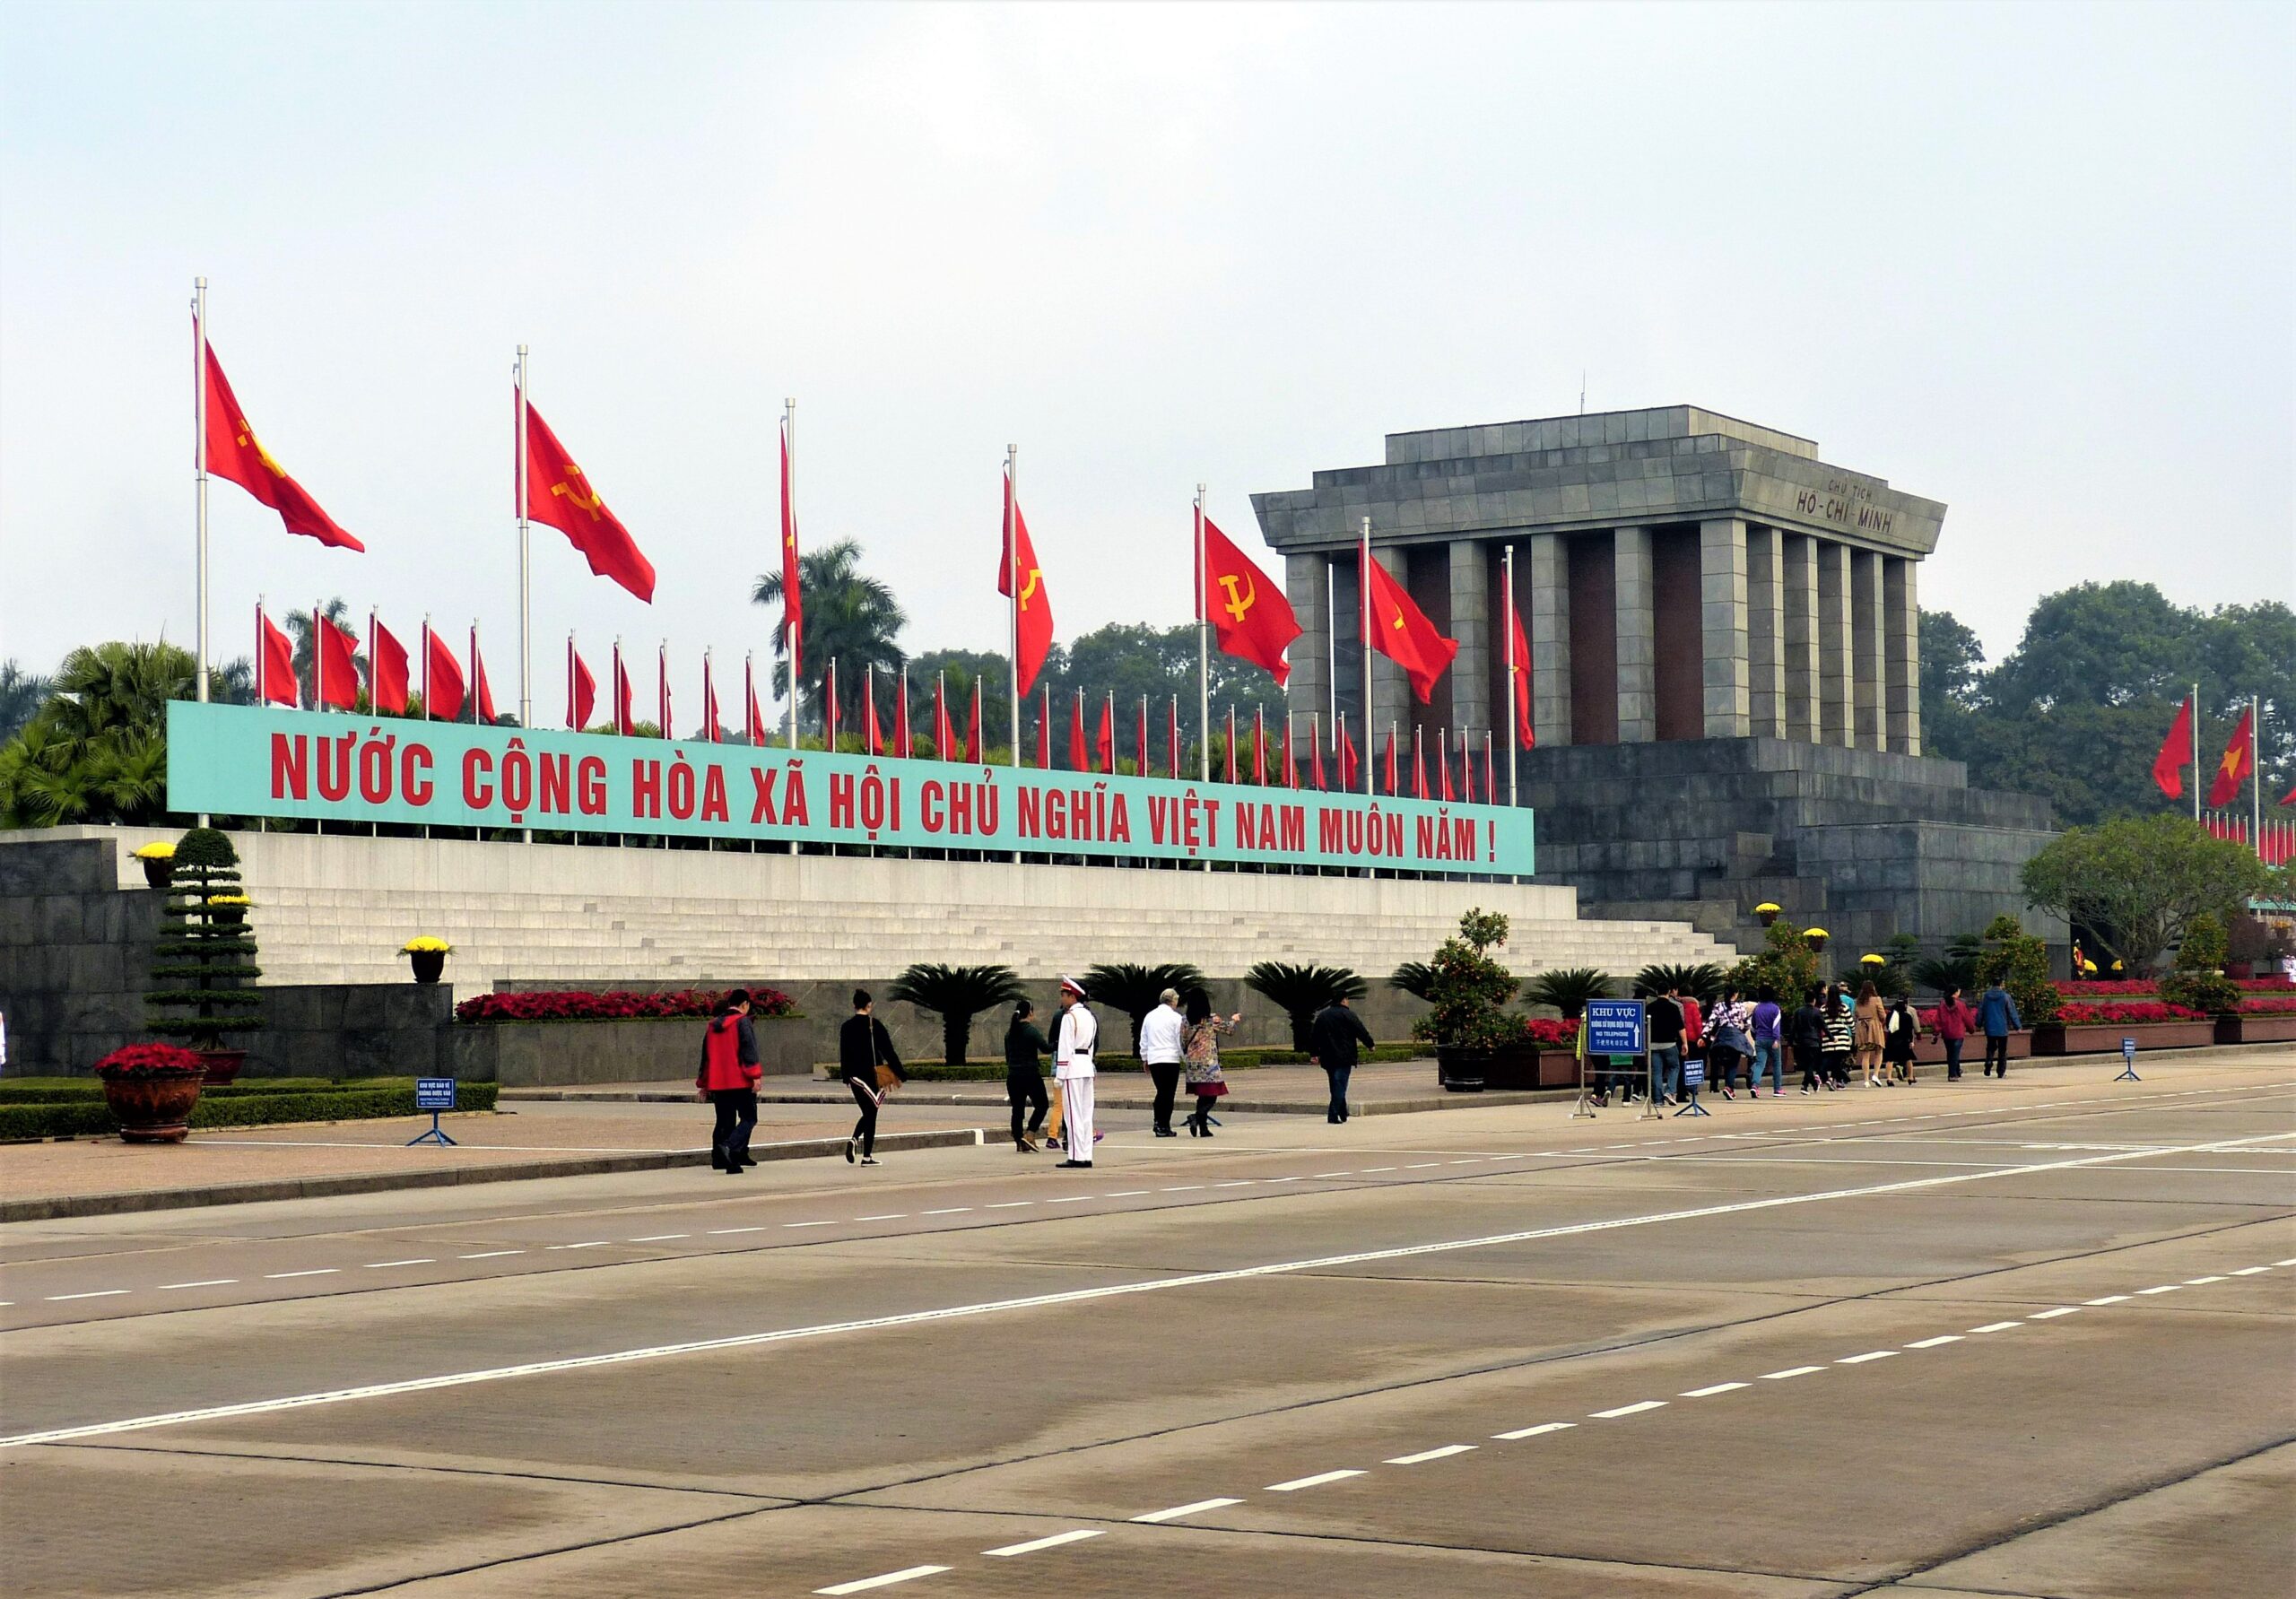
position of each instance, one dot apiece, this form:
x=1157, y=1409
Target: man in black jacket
x=863, y=1044
x=1332, y=1037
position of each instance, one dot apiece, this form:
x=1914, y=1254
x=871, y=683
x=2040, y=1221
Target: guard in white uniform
x=1080, y=1034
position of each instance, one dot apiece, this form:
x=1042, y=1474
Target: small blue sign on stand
x=2128, y=1062
x=433, y=1094
x=1693, y=1078
x=1614, y=1027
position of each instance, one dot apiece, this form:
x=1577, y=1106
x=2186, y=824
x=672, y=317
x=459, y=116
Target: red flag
x=1147, y=767
x=2239, y=761
x=1231, y=743
x=1251, y=613
x=582, y=689
x=2289, y=799
x=662, y=691
x=336, y=670
x=1346, y=758
x=274, y=664
x=558, y=493
x=1291, y=770
x=1401, y=632
x=2176, y=751
x=442, y=679
x=973, y=728
x=1391, y=760
x=906, y=745
x=1316, y=753
x=1259, y=745
x=1466, y=769
x=944, y=737
x=872, y=735
x=754, y=719
x=792, y=601
x=1043, y=729
x=387, y=674
x=1443, y=765
x=708, y=700
x=1032, y=621
x=1104, y=746
x=1418, y=765
x=1172, y=738
x=625, y=717
x=484, y=707
x=234, y=452
x=1519, y=651
x=1078, y=761
x=1489, y=774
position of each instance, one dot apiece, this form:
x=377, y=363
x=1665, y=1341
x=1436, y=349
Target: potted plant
x=428, y=956
x=207, y=950
x=1815, y=937
x=159, y=862
x=151, y=1089
x=1767, y=911
x=2199, y=982
x=1477, y=1044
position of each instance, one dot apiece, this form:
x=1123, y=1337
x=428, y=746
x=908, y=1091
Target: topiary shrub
x=2018, y=961
x=202, y=964
x=1470, y=990
x=2198, y=982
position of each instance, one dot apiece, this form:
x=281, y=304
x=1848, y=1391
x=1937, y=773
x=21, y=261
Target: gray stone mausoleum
x=1726, y=693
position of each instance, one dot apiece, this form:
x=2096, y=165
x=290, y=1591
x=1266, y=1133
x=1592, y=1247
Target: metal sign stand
x=2128, y=1062
x=1615, y=1029
x=1693, y=1078
x=433, y=1094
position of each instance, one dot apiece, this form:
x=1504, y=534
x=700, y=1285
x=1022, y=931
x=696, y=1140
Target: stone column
x=1543, y=585
x=1765, y=633
x=1472, y=606
x=1835, y=719
x=1723, y=626
x=1637, y=688
x=1306, y=578
x=1901, y=654
x=1798, y=591
x=1866, y=671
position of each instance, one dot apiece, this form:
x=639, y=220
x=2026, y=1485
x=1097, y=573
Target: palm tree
x=850, y=618
x=299, y=626
x=1300, y=991
x=1414, y=978
x=1136, y=990
x=958, y=993
x=1702, y=981
x=1568, y=988
x=96, y=751
x=21, y=693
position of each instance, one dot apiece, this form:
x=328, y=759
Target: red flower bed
x=2079, y=1014
x=613, y=1005
x=1549, y=1034
x=2268, y=1007
x=150, y=1058
x=2121, y=986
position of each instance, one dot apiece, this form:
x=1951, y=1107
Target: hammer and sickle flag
x=1401, y=632
x=1031, y=608
x=558, y=493
x=234, y=452
x=1251, y=615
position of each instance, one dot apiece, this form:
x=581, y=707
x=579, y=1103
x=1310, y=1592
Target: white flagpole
x=1013, y=582
x=1203, y=648
x=1363, y=619
x=525, y=567
x=1514, y=707
x=2256, y=773
x=2195, y=752
x=199, y=469
x=789, y=443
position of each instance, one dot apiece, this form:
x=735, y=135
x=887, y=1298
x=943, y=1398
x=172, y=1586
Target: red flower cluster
x=614, y=1006
x=2148, y=986
x=2268, y=1007
x=152, y=1059
x=2080, y=1013
x=1550, y=1034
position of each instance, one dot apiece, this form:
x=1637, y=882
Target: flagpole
x=789, y=516
x=199, y=468
x=2195, y=752
x=1363, y=627
x=1203, y=648
x=2256, y=773
x=1012, y=587
x=426, y=661
x=526, y=565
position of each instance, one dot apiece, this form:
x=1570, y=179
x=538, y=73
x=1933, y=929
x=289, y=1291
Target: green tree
x=1300, y=991
x=1136, y=990
x=2137, y=883
x=207, y=949
x=849, y=617
x=957, y=993
x=20, y=694
x=1952, y=672
x=1568, y=988
x=2198, y=982
x=1785, y=964
x=96, y=751
x=1469, y=995
x=2019, y=961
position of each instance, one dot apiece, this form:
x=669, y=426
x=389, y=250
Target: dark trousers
x=865, y=1131
x=1838, y=1067
x=729, y=1140
x=1952, y=1057
x=1811, y=1062
x=1167, y=1076
x=1996, y=1053
x=1025, y=1091
x=1339, y=1076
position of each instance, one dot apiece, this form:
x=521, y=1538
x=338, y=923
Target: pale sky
x=2033, y=261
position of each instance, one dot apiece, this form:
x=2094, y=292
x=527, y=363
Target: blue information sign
x=2128, y=1049
x=434, y=1093
x=1614, y=1027
x=1693, y=1074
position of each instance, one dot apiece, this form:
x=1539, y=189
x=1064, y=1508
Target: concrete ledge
x=1439, y=1100
x=169, y=1199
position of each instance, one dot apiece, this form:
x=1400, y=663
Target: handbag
x=884, y=1074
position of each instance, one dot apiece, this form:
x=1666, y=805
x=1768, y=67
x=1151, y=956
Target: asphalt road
x=2036, y=1338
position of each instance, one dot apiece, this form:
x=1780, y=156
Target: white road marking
x=1630, y=1410
x=601, y=1243
x=1317, y=1481
x=1368, y=1171
x=377, y=1265
x=2196, y=1281
x=718, y=1231
x=203, y=1282
x=456, y=1379
x=887, y=1216
x=1124, y=1194
x=1073, y=1199
x=1871, y=1354
x=2250, y=1271
x=1298, y=1178
x=1010, y=1204
x=809, y=1224
x=489, y=1254
x=2164, y=1288
x=1421, y=1165
x=2110, y=1299
x=1350, y=1173
x=1936, y=1342
x=660, y=1238
x=1426, y=1455
x=1998, y=1326
x=1055, y=1541
x=1177, y=1511
x=1771, y=1376
x=2289, y=1262
x=1709, y=1393
x=954, y=1209
x=886, y=1581
x=1183, y=1188
x=93, y=1293
x=2056, y=1311
x=1470, y=1161
x=1534, y=1431
x=1238, y=1183
x=313, y=1271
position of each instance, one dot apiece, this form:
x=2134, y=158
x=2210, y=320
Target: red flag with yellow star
x=1401, y=632
x=1251, y=615
x=1032, y=608
x=2239, y=761
x=234, y=452
x=558, y=493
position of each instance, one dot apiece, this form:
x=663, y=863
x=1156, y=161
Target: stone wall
x=74, y=951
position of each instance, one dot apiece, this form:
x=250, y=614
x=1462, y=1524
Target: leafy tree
x=2198, y=982
x=205, y=946
x=1568, y=988
x=1785, y=964
x=2019, y=961
x=96, y=751
x=957, y=993
x=1136, y=990
x=20, y=694
x=2137, y=883
x=1952, y=670
x=849, y=617
x=1467, y=998
x=1300, y=991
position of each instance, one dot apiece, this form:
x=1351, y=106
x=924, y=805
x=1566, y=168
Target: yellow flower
x=426, y=945
x=162, y=851
x=1768, y=907
x=1873, y=960
x=227, y=899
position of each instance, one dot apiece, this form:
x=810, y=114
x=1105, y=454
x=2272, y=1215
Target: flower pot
x=153, y=1107
x=428, y=964
x=229, y=916
x=157, y=874
x=222, y=1064
x=1508, y=1067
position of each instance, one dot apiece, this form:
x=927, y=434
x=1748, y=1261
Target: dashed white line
x=313, y=1271
x=2055, y=1312
x=93, y=1293
x=1182, y=1188
x=1124, y=1194
x=824, y=1223
x=1421, y=1165
x=1998, y=1326
x=1871, y=1354
x=1635, y=1409
x=601, y=1243
x=887, y=1580
x=1709, y=1392
x=1470, y=1161
x=1427, y=1454
x=954, y=1209
x=1073, y=1199
x=1054, y=1542
x=2196, y=1281
x=423, y=1260
x=887, y=1216
x=2250, y=1271
x=2110, y=1299
x=489, y=1254
x=1534, y=1431
x=1317, y=1481
x=719, y=1231
x=1368, y=1171
x=1772, y=1377
x=2163, y=1287
x=1010, y=1204
x=1177, y=1511
x=1326, y=1174
x=660, y=1238
x=1941, y=1339
x=203, y=1282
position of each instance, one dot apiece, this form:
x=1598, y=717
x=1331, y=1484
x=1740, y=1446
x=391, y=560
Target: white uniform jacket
x=1080, y=1032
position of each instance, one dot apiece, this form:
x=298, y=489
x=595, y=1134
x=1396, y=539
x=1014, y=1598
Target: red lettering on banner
x=590, y=785
x=291, y=766
x=555, y=797
x=713, y=794
x=646, y=789
x=840, y=799
x=478, y=768
x=762, y=791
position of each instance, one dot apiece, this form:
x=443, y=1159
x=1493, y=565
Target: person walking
x=1899, y=1031
x=868, y=1064
x=1023, y=1077
x=1665, y=1035
x=728, y=1080
x=1997, y=1012
x=1806, y=1032
x=1200, y=1045
x=1332, y=1039
x=1769, y=1031
x=1072, y=1059
x=1726, y=1043
x=1841, y=1035
x=1868, y=1024
x=1161, y=1051
x=1950, y=1023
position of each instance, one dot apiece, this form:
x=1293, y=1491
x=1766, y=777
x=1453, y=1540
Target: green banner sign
x=239, y=761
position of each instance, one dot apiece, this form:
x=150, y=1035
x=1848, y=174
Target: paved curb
x=171, y=1199
x=1243, y=1105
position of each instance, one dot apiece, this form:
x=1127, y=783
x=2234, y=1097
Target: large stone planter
x=648, y=1049
x=1511, y=1067
x=222, y=1064
x=2234, y=1028
x=2104, y=1037
x=153, y=1107
x=1931, y=1052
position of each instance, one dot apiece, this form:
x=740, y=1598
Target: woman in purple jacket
x=1769, y=1023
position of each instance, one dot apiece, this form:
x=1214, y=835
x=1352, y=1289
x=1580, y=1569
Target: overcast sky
x=2032, y=261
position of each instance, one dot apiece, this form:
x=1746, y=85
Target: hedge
x=60, y=1091
x=1232, y=1060
x=353, y=1100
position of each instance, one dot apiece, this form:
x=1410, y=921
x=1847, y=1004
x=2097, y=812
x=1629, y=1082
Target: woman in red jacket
x=1951, y=1023
x=728, y=1080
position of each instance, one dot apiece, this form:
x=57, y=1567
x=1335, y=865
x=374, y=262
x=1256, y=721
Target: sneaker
x=868, y=1159
x=848, y=1152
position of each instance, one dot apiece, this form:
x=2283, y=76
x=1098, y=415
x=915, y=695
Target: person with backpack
x=868, y=1064
x=1726, y=1043
x=1900, y=1029
x=727, y=1079
x=1841, y=1035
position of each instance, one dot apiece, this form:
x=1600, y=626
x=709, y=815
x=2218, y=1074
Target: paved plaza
x=2031, y=1338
